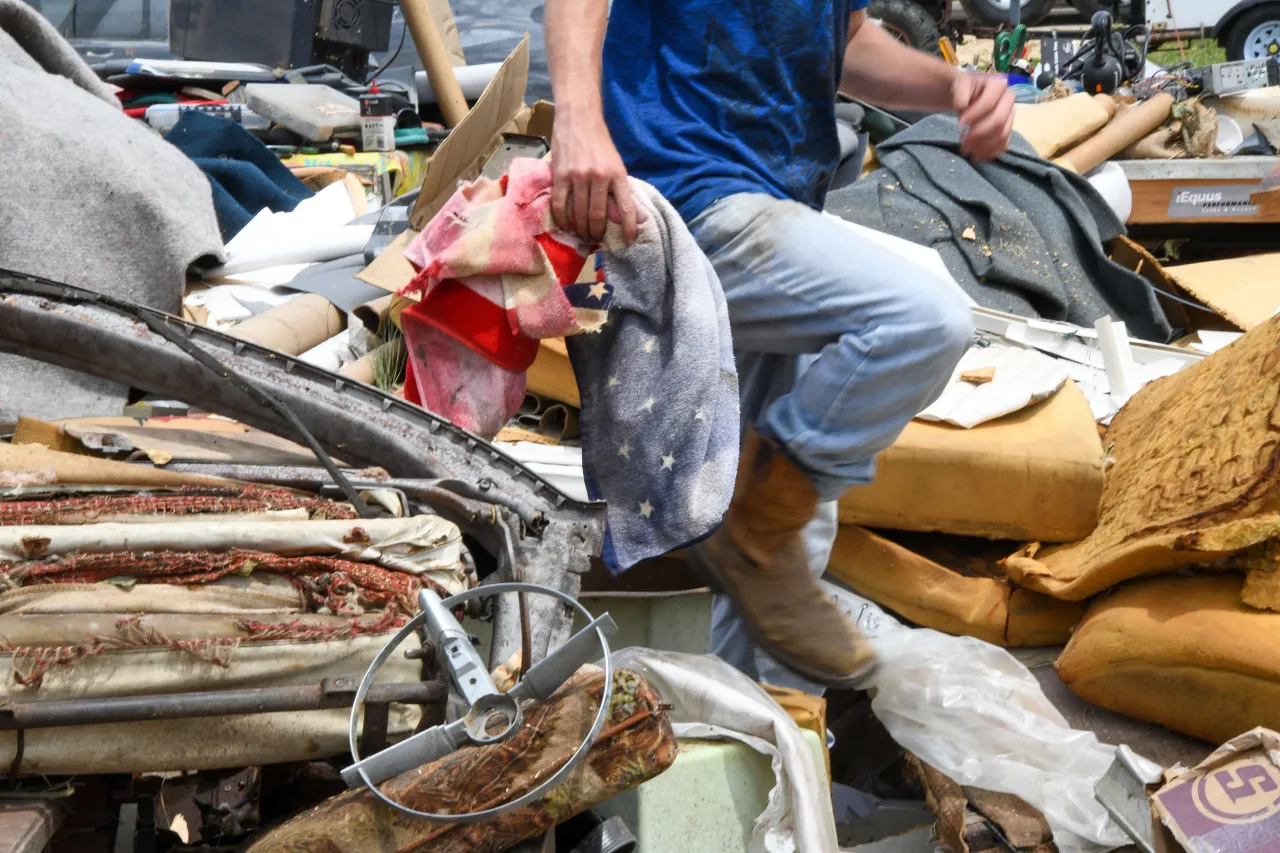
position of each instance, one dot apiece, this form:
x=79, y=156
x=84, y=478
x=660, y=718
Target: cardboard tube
x=560, y=422
x=294, y=327
x=435, y=56
x=363, y=368
x=1057, y=125
x=371, y=313
x=1122, y=132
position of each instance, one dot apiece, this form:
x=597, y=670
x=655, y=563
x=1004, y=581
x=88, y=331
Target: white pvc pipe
x=472, y=78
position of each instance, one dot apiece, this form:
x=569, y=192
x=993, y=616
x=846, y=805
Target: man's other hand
x=590, y=181
x=985, y=107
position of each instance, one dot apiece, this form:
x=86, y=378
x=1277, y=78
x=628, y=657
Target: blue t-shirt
x=705, y=98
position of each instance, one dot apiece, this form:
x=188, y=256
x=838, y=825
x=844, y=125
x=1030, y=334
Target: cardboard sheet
x=196, y=440
x=1244, y=291
x=1193, y=475
x=551, y=374
x=462, y=154
x=89, y=470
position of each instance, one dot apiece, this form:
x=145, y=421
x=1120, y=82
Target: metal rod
x=331, y=693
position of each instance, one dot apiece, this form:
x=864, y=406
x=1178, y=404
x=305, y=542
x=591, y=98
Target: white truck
x=1248, y=29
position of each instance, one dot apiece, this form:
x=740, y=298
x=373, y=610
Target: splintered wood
x=1195, y=464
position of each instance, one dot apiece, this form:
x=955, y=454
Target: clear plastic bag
x=973, y=712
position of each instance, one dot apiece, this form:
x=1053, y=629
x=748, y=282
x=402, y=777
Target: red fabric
x=501, y=230
x=565, y=260
x=470, y=319
x=451, y=379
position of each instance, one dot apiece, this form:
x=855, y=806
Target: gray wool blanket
x=660, y=427
x=88, y=196
x=1019, y=234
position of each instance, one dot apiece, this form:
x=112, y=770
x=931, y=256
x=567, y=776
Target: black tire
x=987, y=13
x=1087, y=7
x=1245, y=24
x=908, y=22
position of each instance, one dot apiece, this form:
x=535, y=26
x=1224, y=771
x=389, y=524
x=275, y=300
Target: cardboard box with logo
x=1230, y=802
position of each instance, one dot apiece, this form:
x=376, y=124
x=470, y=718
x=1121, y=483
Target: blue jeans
x=838, y=343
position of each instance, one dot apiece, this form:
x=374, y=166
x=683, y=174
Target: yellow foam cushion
x=1034, y=474
x=1196, y=465
x=1186, y=653
x=931, y=594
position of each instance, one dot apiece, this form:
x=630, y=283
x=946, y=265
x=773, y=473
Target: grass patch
x=1198, y=52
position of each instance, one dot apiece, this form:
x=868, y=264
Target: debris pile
x=309, y=363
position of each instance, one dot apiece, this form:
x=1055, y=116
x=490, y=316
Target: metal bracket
x=1122, y=791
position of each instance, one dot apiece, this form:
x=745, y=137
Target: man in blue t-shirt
x=727, y=107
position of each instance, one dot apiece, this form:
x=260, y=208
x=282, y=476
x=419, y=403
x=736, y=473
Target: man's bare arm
x=587, y=167
x=883, y=71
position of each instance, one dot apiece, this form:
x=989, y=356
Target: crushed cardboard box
x=1192, y=476
x=1229, y=803
x=942, y=590
x=1034, y=474
x=1134, y=256
x=500, y=109
x=551, y=374
x=1183, y=652
x=1245, y=291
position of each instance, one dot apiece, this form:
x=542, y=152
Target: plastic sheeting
x=1022, y=377
x=712, y=700
x=973, y=712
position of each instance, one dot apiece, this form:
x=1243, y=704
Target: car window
x=132, y=20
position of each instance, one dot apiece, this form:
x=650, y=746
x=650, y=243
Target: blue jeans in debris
x=838, y=345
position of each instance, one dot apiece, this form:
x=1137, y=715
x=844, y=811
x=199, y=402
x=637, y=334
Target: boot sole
x=853, y=681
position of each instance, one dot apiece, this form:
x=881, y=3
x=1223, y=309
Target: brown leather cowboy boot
x=757, y=558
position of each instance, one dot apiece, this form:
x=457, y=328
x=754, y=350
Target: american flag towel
x=659, y=391
x=655, y=369
x=504, y=229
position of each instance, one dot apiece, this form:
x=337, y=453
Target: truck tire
x=1087, y=7
x=988, y=13
x=1255, y=34
x=908, y=22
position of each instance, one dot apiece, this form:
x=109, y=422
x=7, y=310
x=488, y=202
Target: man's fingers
x=559, y=203
x=626, y=205
x=581, y=206
x=598, y=209
x=989, y=132
x=962, y=92
x=988, y=98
